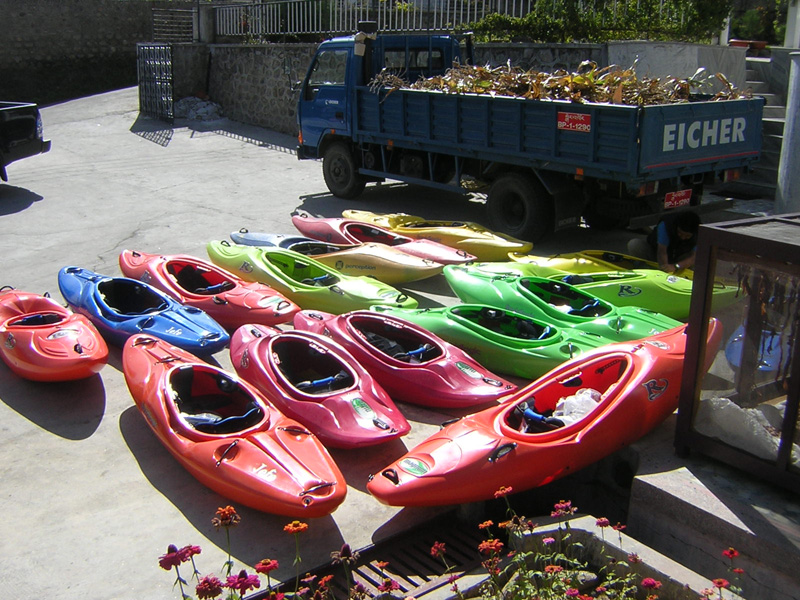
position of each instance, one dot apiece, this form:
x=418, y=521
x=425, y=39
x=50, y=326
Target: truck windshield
x=329, y=68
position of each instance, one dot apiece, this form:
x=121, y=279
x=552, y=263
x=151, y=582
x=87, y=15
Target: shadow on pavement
x=72, y=410
x=15, y=199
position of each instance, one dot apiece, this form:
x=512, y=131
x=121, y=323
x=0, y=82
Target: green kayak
x=305, y=281
x=555, y=302
x=644, y=288
x=502, y=340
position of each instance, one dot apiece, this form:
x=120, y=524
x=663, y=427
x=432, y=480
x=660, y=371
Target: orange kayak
x=548, y=429
x=41, y=340
x=227, y=435
x=229, y=300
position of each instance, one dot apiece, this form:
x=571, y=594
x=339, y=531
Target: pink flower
x=503, y=491
x=172, y=558
x=562, y=508
x=571, y=592
x=266, y=565
x=243, y=582
x=602, y=522
x=548, y=540
x=388, y=585
x=438, y=549
x=650, y=584
x=209, y=587
x=189, y=551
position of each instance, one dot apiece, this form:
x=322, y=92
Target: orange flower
x=485, y=525
x=296, y=527
x=493, y=546
x=226, y=517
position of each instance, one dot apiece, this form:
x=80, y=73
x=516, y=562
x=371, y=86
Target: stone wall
x=52, y=50
x=257, y=84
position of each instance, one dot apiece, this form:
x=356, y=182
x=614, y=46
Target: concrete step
x=772, y=125
x=770, y=99
x=770, y=156
x=758, y=88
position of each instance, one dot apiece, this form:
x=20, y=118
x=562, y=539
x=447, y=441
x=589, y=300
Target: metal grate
x=154, y=67
x=409, y=560
x=175, y=25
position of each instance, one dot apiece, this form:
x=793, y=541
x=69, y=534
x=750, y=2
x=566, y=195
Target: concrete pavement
x=91, y=498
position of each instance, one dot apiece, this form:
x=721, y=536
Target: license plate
x=677, y=199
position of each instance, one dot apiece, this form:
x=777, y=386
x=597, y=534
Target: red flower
x=738, y=571
x=618, y=527
x=266, y=565
x=730, y=553
x=721, y=583
x=209, y=587
x=494, y=546
x=602, y=522
x=296, y=527
x=503, y=491
x=650, y=583
x=438, y=549
x=172, y=558
x=323, y=582
x=276, y=595
x=243, y=582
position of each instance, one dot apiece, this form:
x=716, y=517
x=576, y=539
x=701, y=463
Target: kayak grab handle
x=295, y=429
x=501, y=451
x=391, y=475
x=316, y=383
x=316, y=488
x=225, y=453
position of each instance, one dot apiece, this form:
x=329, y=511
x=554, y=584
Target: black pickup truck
x=20, y=133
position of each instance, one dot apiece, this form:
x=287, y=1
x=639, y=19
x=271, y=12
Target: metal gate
x=154, y=67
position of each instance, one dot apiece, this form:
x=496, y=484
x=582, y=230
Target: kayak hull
x=303, y=280
x=470, y=459
x=555, y=302
x=380, y=261
x=410, y=363
x=315, y=381
x=227, y=435
x=349, y=231
x=229, y=300
x=40, y=340
x=121, y=307
x=470, y=237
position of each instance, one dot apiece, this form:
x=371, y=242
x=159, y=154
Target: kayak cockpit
x=130, y=297
x=505, y=323
x=395, y=340
x=565, y=298
x=310, y=368
x=198, y=280
x=209, y=401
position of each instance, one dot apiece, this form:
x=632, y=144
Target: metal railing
x=342, y=16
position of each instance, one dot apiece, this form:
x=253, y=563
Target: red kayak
x=227, y=435
x=409, y=362
x=348, y=231
x=43, y=341
x=548, y=429
x=229, y=300
x=315, y=381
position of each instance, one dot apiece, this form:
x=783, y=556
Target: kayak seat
x=212, y=404
x=575, y=279
x=525, y=419
x=129, y=297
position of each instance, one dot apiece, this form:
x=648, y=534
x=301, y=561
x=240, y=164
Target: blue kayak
x=120, y=307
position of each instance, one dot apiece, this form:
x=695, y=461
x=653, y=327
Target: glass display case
x=743, y=410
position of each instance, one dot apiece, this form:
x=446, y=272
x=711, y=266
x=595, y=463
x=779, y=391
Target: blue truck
x=546, y=164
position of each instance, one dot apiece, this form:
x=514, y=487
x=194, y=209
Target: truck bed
x=616, y=142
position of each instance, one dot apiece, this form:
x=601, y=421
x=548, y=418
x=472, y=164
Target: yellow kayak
x=475, y=239
x=593, y=261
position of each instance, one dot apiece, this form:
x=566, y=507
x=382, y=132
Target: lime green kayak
x=593, y=261
x=645, y=288
x=555, y=302
x=305, y=281
x=502, y=340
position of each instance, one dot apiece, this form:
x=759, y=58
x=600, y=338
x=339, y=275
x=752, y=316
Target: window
x=329, y=68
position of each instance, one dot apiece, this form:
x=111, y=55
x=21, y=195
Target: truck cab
x=342, y=64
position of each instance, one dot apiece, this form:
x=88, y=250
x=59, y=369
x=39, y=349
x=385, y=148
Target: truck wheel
x=519, y=205
x=341, y=172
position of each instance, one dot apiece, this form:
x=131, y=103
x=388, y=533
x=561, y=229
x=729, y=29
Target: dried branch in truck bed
x=588, y=84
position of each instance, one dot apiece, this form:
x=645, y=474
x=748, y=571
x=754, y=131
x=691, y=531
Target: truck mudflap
x=700, y=136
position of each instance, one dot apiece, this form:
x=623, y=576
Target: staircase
x=763, y=179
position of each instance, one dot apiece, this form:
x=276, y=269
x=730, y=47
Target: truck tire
x=341, y=172
x=519, y=205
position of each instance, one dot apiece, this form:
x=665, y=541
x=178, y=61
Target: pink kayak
x=315, y=381
x=348, y=231
x=409, y=362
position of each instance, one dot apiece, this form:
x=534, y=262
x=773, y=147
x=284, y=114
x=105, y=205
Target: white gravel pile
x=196, y=109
